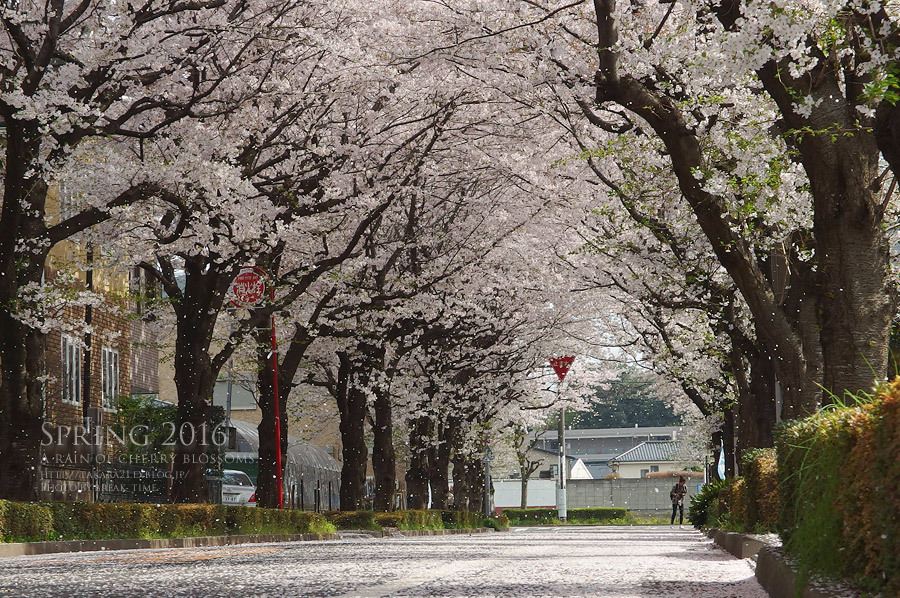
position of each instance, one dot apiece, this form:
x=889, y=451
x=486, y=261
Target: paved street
x=553, y=562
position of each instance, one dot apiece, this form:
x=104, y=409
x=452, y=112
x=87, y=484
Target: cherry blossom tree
x=77, y=80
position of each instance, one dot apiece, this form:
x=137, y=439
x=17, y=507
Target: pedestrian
x=677, y=494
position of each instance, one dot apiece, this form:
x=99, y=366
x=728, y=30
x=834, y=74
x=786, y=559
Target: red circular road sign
x=248, y=289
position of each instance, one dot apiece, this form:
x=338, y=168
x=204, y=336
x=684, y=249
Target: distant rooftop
x=652, y=450
x=671, y=431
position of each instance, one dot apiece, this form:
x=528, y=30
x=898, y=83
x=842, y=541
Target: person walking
x=677, y=495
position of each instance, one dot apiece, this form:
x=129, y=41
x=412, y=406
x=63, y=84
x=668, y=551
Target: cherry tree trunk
x=439, y=463
x=194, y=381
x=475, y=485
x=195, y=377
x=21, y=409
x=266, y=490
x=417, y=474
x=460, y=483
x=22, y=349
x=351, y=401
x=756, y=414
x=383, y=460
x=266, y=482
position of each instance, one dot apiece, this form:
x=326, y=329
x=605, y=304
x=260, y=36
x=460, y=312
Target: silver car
x=237, y=489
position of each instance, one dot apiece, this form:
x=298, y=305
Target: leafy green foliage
x=629, y=401
x=412, y=519
x=550, y=516
x=364, y=520
x=25, y=522
x=95, y=521
x=761, y=476
x=461, y=519
x=702, y=502
x=137, y=410
x=838, y=478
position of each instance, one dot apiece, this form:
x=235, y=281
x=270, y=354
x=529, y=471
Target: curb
x=773, y=572
x=32, y=548
x=738, y=545
x=35, y=548
x=399, y=533
x=778, y=578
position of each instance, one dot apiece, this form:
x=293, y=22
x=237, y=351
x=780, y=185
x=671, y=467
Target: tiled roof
x=613, y=432
x=653, y=450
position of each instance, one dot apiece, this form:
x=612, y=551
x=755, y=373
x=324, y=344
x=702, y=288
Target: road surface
x=621, y=562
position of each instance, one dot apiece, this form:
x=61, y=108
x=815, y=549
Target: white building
x=647, y=457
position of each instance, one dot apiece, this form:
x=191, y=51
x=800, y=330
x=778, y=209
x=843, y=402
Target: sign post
x=561, y=366
x=248, y=290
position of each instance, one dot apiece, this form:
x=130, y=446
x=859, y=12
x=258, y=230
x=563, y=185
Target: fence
x=643, y=495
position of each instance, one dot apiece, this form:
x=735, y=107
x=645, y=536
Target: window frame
x=71, y=353
x=110, y=377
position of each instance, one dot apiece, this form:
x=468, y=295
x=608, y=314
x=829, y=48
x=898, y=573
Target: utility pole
x=561, y=502
x=561, y=366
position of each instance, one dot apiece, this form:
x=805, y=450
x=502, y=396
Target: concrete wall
x=635, y=495
x=508, y=493
x=647, y=495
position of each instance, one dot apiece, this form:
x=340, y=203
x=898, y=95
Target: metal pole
x=561, y=491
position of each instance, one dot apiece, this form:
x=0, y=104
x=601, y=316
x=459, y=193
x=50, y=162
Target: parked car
x=238, y=489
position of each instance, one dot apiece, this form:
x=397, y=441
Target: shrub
x=394, y=519
x=4, y=507
x=354, y=520
x=702, y=502
x=532, y=516
x=413, y=519
x=92, y=521
x=761, y=476
x=580, y=515
x=421, y=519
x=26, y=522
x=461, y=519
x=491, y=523
x=840, y=491
x=596, y=514
x=732, y=507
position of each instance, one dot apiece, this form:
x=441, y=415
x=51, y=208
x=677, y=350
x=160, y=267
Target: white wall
x=633, y=470
x=508, y=493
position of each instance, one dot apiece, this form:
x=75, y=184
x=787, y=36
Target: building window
x=654, y=468
x=71, y=371
x=644, y=472
x=109, y=378
x=66, y=197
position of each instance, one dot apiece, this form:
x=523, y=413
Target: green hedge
x=413, y=519
x=25, y=522
x=596, y=514
x=67, y=521
x=497, y=522
x=353, y=520
x=839, y=483
x=461, y=519
x=573, y=515
x=705, y=506
x=761, y=477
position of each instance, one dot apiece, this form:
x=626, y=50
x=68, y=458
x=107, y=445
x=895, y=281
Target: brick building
x=104, y=352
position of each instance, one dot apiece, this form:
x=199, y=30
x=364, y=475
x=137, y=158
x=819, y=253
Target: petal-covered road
x=549, y=562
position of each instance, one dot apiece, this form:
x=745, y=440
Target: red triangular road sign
x=561, y=365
